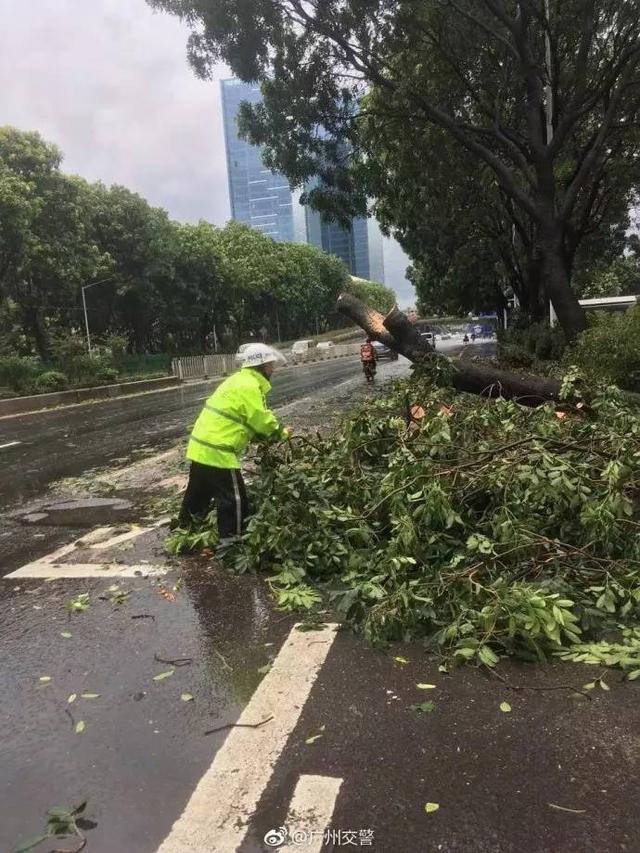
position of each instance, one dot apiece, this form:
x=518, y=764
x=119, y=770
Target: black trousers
x=222, y=486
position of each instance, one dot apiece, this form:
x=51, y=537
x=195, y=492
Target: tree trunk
x=558, y=287
x=535, y=303
x=397, y=332
x=35, y=324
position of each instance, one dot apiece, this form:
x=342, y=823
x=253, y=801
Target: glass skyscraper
x=259, y=197
x=264, y=199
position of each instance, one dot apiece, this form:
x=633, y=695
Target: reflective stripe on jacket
x=235, y=414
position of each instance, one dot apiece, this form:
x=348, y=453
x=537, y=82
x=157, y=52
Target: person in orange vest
x=368, y=358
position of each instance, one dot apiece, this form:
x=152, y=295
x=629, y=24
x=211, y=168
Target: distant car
x=384, y=352
x=429, y=337
x=326, y=345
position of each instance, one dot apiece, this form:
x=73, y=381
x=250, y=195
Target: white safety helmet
x=256, y=354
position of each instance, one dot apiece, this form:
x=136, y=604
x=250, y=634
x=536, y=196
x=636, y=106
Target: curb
x=38, y=402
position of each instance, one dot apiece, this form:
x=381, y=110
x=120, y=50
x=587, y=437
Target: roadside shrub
x=609, y=350
x=515, y=356
x=50, y=380
x=521, y=347
x=18, y=373
x=116, y=350
x=107, y=374
x=69, y=353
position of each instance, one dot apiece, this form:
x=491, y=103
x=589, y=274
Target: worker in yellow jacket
x=235, y=414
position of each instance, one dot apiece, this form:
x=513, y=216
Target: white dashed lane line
x=310, y=814
x=101, y=539
x=218, y=814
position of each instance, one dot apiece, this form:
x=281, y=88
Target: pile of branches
x=479, y=526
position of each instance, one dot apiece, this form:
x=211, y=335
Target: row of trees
x=499, y=138
x=164, y=285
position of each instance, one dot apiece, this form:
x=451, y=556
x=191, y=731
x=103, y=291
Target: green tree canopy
x=545, y=102
x=156, y=284
x=45, y=250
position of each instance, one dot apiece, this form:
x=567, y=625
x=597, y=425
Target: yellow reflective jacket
x=234, y=414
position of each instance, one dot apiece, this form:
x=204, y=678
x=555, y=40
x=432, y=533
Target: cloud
x=108, y=81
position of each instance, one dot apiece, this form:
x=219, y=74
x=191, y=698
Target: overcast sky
x=108, y=81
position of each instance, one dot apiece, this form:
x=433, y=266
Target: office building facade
x=265, y=201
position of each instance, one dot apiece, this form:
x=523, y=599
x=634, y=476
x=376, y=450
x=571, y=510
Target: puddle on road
x=80, y=512
x=143, y=747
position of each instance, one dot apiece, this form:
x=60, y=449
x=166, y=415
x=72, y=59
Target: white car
x=429, y=337
x=300, y=349
x=325, y=345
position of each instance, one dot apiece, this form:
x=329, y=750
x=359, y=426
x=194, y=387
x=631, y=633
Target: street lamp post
x=84, y=306
x=549, y=87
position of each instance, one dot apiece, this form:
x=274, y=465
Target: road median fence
x=206, y=366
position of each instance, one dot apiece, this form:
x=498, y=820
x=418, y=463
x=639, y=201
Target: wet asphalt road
x=556, y=774
x=498, y=778
x=69, y=441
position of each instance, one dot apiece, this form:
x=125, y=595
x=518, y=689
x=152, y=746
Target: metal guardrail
x=203, y=366
x=207, y=366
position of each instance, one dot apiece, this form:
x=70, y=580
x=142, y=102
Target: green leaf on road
x=79, y=603
x=423, y=707
x=65, y=634
x=162, y=675
x=72, y=698
x=44, y=678
x=90, y=695
x=401, y=661
x=317, y=736
x=589, y=686
x=80, y=727
x=431, y=807
x=58, y=812
x=426, y=686
x=263, y=670
x=505, y=707
x=186, y=697
x=487, y=656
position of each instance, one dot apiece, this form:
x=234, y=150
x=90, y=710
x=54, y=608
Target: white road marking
x=120, y=538
x=100, y=539
x=310, y=813
x=218, y=814
x=9, y=444
x=87, y=570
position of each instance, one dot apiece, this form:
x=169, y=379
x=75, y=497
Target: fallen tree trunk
x=398, y=333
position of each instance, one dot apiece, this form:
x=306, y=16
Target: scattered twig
x=511, y=686
x=175, y=662
x=565, y=809
x=144, y=616
x=70, y=715
x=224, y=662
x=239, y=726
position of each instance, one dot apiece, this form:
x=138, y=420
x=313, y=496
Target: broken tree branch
x=398, y=333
